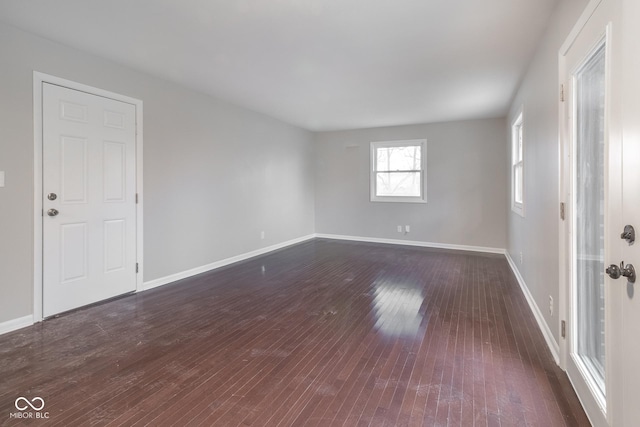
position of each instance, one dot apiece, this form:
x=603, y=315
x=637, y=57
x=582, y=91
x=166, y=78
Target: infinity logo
x=28, y=403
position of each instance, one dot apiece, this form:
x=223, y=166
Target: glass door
x=588, y=237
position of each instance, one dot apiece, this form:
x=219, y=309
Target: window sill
x=398, y=200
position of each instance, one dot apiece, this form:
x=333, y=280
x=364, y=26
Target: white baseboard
x=542, y=324
x=203, y=269
x=413, y=243
x=15, y=324
x=25, y=321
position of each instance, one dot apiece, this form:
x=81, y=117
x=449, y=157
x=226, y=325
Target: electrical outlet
x=399, y=229
x=262, y=235
x=407, y=228
x=521, y=258
x=550, y=305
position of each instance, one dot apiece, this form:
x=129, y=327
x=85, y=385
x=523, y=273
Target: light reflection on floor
x=397, y=307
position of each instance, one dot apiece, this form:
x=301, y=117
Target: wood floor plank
x=323, y=333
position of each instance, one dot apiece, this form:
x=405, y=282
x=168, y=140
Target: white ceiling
x=318, y=64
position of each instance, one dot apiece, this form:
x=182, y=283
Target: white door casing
x=587, y=120
x=90, y=149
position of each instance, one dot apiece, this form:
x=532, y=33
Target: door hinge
x=562, y=211
x=137, y=267
x=136, y=198
x=563, y=329
x=561, y=93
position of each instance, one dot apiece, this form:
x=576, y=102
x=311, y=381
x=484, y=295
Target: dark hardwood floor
x=323, y=333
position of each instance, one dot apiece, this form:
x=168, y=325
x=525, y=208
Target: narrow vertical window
x=398, y=171
x=517, y=169
x=588, y=216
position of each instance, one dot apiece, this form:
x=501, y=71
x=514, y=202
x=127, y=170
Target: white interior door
x=628, y=307
x=591, y=167
x=89, y=181
x=601, y=183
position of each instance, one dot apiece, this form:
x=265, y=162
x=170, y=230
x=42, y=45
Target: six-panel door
x=89, y=218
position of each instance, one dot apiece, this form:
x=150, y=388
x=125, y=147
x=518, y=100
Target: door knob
x=627, y=271
x=52, y=212
x=613, y=271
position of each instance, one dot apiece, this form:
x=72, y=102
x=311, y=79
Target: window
x=517, y=166
x=398, y=171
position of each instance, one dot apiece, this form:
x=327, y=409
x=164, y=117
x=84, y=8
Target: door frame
x=38, y=80
x=596, y=414
x=564, y=150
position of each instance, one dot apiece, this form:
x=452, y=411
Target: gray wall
x=466, y=185
x=215, y=175
x=536, y=235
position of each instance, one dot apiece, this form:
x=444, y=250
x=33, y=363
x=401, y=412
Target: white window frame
x=517, y=161
x=423, y=171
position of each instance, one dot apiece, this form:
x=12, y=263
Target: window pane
x=401, y=184
x=398, y=158
x=589, y=215
x=517, y=182
x=520, y=156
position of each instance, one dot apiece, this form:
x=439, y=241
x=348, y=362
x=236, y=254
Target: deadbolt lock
x=52, y=196
x=629, y=234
